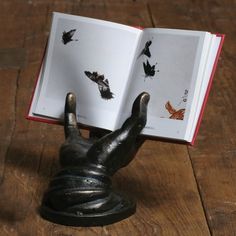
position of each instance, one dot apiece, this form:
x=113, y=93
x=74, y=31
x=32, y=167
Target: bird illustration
x=175, y=114
x=146, y=50
x=67, y=36
x=103, y=84
x=148, y=69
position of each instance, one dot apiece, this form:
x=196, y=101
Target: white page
x=207, y=75
x=99, y=46
x=198, y=84
x=36, y=92
x=177, y=54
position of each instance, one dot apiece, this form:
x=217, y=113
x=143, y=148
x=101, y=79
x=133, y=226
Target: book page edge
x=222, y=36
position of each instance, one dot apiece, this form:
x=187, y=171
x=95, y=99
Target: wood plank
x=12, y=58
x=8, y=86
x=160, y=178
x=133, y=14
x=12, y=23
x=23, y=156
x=215, y=149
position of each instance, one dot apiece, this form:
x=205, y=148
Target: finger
x=138, y=118
x=70, y=125
x=140, y=104
x=117, y=149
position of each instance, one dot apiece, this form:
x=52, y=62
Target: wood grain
x=179, y=190
x=216, y=147
x=8, y=87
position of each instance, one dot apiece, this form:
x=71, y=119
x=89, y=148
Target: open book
x=108, y=64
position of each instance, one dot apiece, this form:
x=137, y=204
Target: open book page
x=211, y=60
x=91, y=58
x=167, y=67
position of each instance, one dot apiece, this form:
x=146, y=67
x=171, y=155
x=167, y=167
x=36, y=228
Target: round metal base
x=123, y=209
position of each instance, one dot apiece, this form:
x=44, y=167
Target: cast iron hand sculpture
x=81, y=193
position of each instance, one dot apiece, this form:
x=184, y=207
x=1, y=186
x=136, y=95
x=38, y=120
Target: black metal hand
x=112, y=151
x=81, y=194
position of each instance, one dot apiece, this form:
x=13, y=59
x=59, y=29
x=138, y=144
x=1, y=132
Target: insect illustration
x=148, y=69
x=146, y=50
x=174, y=114
x=67, y=36
x=103, y=84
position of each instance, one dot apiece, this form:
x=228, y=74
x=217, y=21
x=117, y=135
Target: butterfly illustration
x=103, y=84
x=174, y=114
x=148, y=69
x=146, y=50
x=67, y=36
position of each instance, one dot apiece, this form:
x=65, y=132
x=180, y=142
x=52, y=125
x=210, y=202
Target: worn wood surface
x=179, y=190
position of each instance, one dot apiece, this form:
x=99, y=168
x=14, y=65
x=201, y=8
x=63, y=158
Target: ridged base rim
x=121, y=211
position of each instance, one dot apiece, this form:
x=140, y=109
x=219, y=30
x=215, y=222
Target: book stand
x=81, y=193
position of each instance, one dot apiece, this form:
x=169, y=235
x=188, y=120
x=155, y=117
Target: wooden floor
x=179, y=190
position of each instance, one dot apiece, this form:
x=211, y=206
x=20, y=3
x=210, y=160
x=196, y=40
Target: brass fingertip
x=145, y=97
x=70, y=105
x=71, y=97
